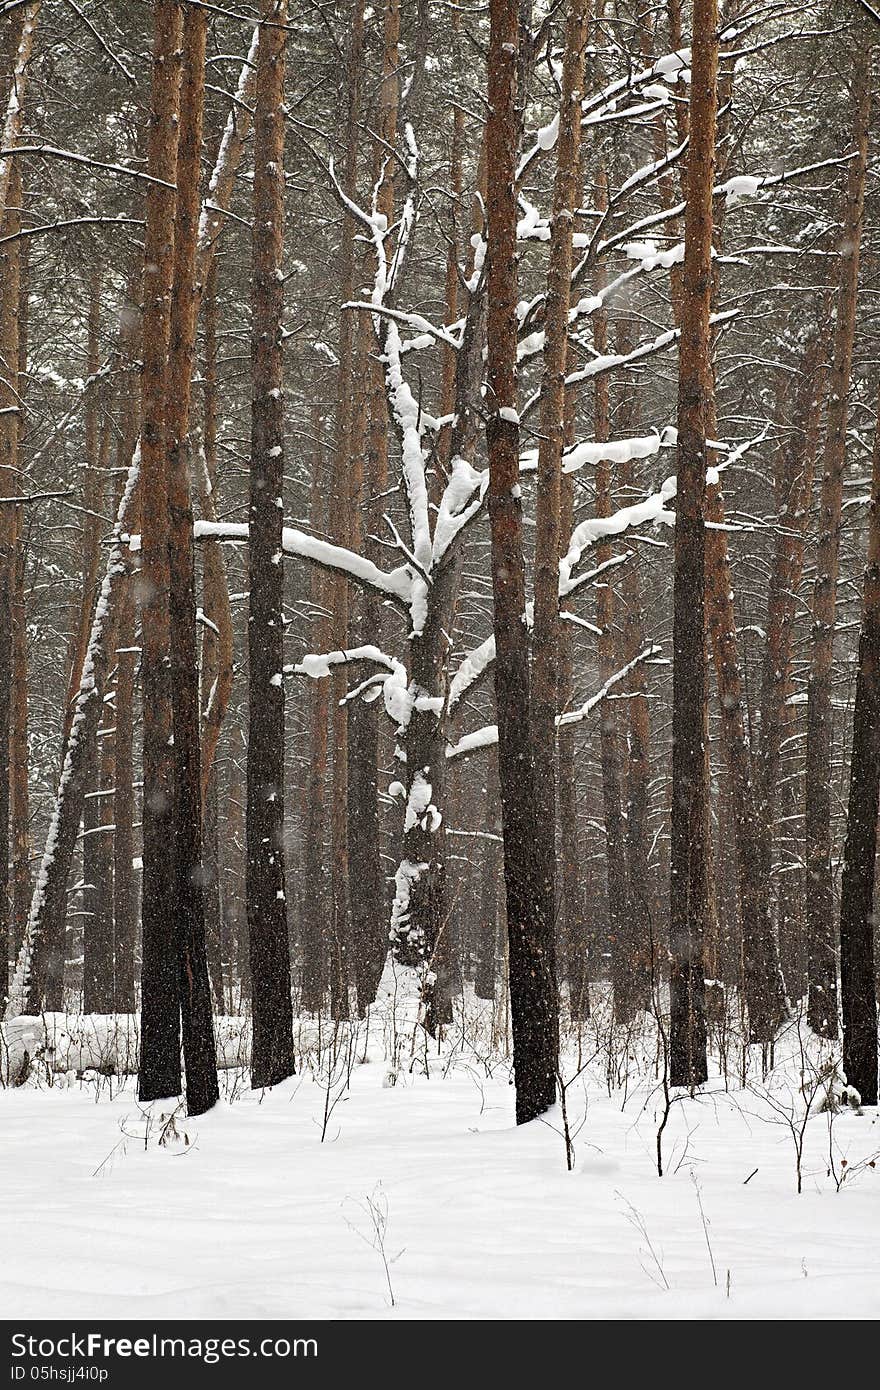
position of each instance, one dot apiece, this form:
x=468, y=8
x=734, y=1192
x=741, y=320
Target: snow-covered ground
x=248, y=1212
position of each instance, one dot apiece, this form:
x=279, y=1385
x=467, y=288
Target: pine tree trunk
x=619, y=918
x=637, y=776
x=546, y=630
x=160, y=1004
x=188, y=872
x=690, y=850
x=530, y=917
x=272, y=1055
x=819, y=897
x=9, y=442
x=794, y=487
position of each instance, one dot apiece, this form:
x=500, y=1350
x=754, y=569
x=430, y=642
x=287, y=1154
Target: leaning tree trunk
x=530, y=916
x=690, y=790
x=272, y=1056
x=92, y=494
x=819, y=880
x=857, y=918
x=97, y=847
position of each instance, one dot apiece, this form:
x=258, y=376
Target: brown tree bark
x=23, y=34
x=688, y=877
x=530, y=916
x=819, y=897
x=272, y=1053
x=188, y=872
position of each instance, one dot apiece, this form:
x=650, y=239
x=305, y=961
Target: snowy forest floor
x=403, y=1177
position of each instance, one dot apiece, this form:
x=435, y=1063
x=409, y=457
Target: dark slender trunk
x=530, y=916
x=272, y=1056
x=9, y=440
x=160, y=1004
x=549, y=536
x=689, y=861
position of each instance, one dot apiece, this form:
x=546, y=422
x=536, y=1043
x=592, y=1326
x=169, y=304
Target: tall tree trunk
x=19, y=800
x=794, y=487
x=9, y=442
x=160, y=1005
x=367, y=475
x=619, y=919
x=340, y=528
x=857, y=919
x=688, y=878
x=546, y=630
x=530, y=917
x=272, y=1055
x=188, y=873
x=638, y=759
x=819, y=898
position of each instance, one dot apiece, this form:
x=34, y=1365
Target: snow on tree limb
x=487, y=736
x=396, y=584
